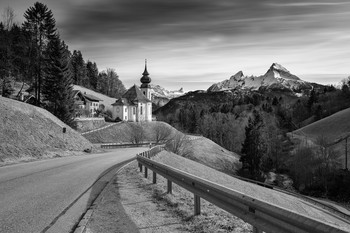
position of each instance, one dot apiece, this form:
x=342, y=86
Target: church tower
x=147, y=92
x=146, y=80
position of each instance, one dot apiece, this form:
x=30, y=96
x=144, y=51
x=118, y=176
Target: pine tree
x=58, y=85
x=41, y=24
x=253, y=147
x=78, y=69
x=92, y=74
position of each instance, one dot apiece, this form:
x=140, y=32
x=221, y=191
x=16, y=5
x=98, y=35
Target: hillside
x=28, y=132
x=333, y=128
x=106, y=100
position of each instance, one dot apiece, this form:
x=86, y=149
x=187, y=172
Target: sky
x=195, y=43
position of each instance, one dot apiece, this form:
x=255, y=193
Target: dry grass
x=120, y=133
x=28, y=132
x=331, y=128
x=207, y=152
x=176, y=208
x=257, y=192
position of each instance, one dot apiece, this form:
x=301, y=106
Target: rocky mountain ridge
x=276, y=78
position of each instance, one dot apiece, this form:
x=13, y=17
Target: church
x=135, y=105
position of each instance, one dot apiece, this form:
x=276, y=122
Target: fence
x=262, y=215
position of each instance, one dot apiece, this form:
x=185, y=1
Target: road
x=51, y=195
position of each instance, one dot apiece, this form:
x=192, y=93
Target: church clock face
x=118, y=109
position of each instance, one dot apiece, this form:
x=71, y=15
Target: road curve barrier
x=263, y=216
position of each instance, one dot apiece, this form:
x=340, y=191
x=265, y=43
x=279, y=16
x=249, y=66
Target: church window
x=141, y=110
x=133, y=110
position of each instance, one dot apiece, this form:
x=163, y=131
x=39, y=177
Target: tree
x=161, y=132
x=8, y=17
x=136, y=133
x=254, y=147
x=110, y=84
x=180, y=145
x=92, y=74
x=58, y=85
x=42, y=27
x=78, y=69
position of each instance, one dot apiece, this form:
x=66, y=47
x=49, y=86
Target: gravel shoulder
x=151, y=209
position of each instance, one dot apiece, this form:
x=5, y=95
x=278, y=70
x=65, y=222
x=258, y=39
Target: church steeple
x=145, y=80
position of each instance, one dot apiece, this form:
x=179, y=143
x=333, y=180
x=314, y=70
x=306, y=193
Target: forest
x=34, y=54
x=255, y=124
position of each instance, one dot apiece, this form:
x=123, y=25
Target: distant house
x=85, y=104
x=135, y=105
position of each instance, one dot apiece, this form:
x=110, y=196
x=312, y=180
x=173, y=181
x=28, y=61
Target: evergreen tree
x=254, y=147
x=78, y=69
x=42, y=27
x=92, y=74
x=58, y=85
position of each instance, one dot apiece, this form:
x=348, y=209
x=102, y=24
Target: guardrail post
x=256, y=230
x=140, y=165
x=170, y=188
x=197, y=205
x=146, y=172
x=154, y=177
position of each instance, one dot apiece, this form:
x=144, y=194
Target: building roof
x=122, y=102
x=91, y=97
x=134, y=95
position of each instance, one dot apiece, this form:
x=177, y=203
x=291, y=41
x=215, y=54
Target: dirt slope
x=28, y=132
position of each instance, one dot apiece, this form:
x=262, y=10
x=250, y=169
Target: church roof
x=134, y=94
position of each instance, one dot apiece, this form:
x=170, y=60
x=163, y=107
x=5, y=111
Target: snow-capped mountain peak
x=277, y=77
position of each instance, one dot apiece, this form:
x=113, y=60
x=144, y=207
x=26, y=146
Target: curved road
x=51, y=195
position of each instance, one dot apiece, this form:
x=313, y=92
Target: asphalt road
x=51, y=195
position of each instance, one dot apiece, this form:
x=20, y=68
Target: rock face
x=277, y=77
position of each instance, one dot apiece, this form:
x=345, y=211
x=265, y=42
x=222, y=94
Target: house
x=135, y=105
x=86, y=104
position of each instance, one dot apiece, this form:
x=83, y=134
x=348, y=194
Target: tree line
x=34, y=53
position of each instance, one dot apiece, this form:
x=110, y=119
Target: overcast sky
x=195, y=43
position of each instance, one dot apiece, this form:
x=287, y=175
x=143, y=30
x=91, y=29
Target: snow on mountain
x=277, y=77
x=161, y=92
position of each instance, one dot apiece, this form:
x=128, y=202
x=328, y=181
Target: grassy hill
x=333, y=128
x=106, y=100
x=28, y=132
x=202, y=149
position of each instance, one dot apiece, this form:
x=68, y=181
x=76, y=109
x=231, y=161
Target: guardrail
x=262, y=215
x=123, y=145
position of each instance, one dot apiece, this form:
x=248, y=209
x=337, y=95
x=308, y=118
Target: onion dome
x=145, y=80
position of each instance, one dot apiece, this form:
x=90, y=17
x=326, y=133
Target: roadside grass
x=28, y=133
x=180, y=205
x=207, y=152
x=273, y=197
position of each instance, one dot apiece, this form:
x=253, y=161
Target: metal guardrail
x=262, y=215
x=124, y=145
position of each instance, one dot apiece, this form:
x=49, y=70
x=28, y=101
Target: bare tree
x=161, y=132
x=179, y=144
x=8, y=17
x=136, y=133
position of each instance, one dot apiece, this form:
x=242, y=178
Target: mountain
x=161, y=96
x=162, y=92
x=276, y=78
